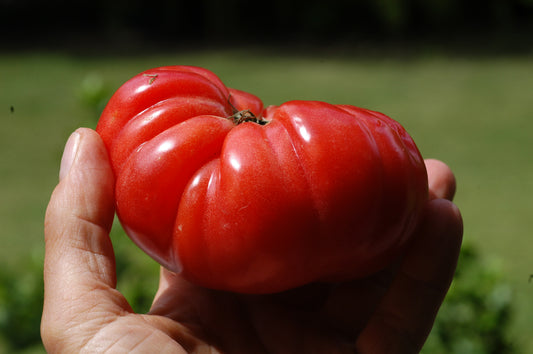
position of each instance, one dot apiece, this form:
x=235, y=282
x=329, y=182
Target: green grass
x=474, y=113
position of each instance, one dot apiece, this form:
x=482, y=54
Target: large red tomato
x=253, y=200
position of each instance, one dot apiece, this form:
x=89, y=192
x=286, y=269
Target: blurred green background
x=458, y=76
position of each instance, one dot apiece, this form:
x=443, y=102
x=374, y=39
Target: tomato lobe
x=253, y=200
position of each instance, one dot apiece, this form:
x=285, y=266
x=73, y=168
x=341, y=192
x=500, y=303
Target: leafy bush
x=21, y=303
x=474, y=318
x=94, y=93
x=476, y=313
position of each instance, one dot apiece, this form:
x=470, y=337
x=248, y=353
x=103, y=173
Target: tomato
x=249, y=199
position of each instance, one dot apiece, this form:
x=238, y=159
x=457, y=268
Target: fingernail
x=69, y=154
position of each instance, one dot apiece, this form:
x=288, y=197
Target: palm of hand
x=318, y=318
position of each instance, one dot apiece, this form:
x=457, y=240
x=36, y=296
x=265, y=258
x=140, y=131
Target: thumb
x=79, y=267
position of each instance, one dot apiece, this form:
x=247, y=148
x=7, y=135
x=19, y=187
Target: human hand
x=390, y=312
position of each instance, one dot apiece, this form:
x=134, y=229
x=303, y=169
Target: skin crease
x=390, y=312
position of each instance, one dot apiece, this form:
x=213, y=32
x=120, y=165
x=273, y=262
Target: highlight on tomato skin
x=249, y=199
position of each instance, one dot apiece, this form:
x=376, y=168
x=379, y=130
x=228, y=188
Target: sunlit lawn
x=474, y=113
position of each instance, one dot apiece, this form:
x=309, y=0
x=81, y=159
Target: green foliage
x=137, y=274
x=21, y=301
x=94, y=93
x=474, y=318
x=476, y=314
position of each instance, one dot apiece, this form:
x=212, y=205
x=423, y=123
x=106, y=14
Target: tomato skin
x=320, y=193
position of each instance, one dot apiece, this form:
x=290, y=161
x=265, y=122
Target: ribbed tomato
x=253, y=200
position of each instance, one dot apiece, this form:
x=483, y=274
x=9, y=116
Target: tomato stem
x=243, y=116
x=247, y=116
